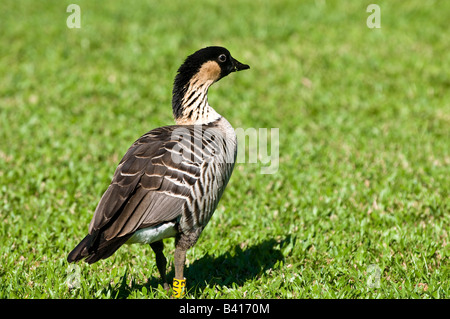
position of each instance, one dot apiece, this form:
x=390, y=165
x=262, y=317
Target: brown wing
x=150, y=185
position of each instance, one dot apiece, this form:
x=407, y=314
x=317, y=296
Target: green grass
x=363, y=117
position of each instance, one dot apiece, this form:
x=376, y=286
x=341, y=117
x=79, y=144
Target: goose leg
x=161, y=262
x=182, y=243
x=179, y=282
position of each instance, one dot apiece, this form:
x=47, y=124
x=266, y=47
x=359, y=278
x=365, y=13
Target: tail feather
x=95, y=247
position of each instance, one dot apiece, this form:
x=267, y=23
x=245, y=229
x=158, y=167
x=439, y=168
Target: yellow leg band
x=179, y=287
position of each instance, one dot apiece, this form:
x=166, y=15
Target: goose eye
x=222, y=58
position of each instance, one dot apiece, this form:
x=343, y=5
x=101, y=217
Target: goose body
x=170, y=180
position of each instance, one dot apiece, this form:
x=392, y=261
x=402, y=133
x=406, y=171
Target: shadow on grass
x=233, y=267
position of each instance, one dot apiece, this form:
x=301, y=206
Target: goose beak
x=238, y=66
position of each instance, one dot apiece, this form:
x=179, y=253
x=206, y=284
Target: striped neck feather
x=195, y=106
x=190, y=96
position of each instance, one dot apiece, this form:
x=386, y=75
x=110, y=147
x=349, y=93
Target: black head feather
x=191, y=67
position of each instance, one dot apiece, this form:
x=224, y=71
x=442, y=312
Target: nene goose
x=169, y=182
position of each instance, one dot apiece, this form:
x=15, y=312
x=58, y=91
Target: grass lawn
x=362, y=187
